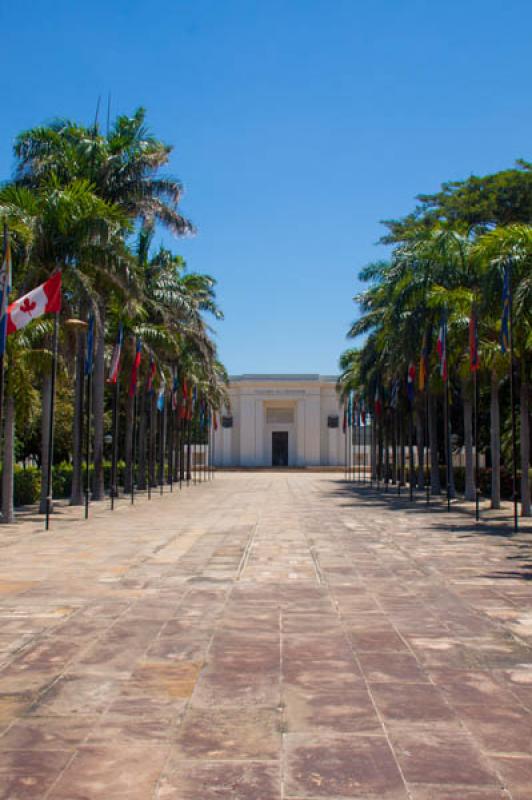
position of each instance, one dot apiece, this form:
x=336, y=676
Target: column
x=247, y=431
x=300, y=433
x=260, y=459
x=312, y=429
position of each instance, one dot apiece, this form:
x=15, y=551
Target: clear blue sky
x=297, y=126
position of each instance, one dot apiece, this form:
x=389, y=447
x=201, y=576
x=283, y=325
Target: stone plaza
x=266, y=636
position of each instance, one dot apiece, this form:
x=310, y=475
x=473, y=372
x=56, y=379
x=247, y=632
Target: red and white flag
x=45, y=299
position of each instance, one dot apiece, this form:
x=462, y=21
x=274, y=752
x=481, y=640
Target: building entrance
x=279, y=448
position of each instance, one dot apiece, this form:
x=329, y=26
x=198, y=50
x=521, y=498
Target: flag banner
x=5, y=289
x=89, y=348
x=441, y=347
x=344, y=421
x=378, y=404
x=411, y=382
x=363, y=410
x=423, y=359
x=135, y=368
x=190, y=404
x=151, y=376
x=175, y=390
x=474, y=361
x=350, y=410
x=505, y=322
x=215, y=421
x=45, y=299
x=114, y=368
x=184, y=400
x=160, y=396
x=394, y=394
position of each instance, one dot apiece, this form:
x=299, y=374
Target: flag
x=215, y=421
x=184, y=400
x=350, y=410
x=378, y=404
x=114, y=368
x=151, y=376
x=135, y=368
x=89, y=353
x=422, y=375
x=474, y=361
x=45, y=299
x=363, y=410
x=344, y=421
x=441, y=347
x=505, y=322
x=160, y=396
x=5, y=289
x=411, y=381
x=175, y=390
x=394, y=394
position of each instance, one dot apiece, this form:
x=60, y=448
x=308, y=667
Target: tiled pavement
x=265, y=636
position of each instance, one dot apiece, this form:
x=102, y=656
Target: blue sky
x=297, y=126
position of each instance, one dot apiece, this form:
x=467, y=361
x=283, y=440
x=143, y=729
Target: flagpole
x=88, y=431
x=426, y=434
x=161, y=449
x=114, y=456
x=189, y=451
x=134, y=448
x=49, y=470
x=447, y=441
x=410, y=450
x=475, y=437
x=171, y=444
x=150, y=443
x=3, y=324
x=512, y=399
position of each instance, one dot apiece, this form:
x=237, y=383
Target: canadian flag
x=45, y=299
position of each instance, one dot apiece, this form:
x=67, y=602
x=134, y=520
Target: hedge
x=27, y=481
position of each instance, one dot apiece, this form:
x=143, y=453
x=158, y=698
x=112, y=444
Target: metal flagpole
x=170, y=443
x=426, y=433
x=88, y=373
x=410, y=450
x=364, y=448
x=447, y=441
x=114, y=456
x=475, y=437
x=134, y=448
x=150, y=443
x=512, y=399
x=189, y=451
x=5, y=288
x=161, y=448
x=49, y=470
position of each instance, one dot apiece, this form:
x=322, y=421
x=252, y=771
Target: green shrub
x=27, y=485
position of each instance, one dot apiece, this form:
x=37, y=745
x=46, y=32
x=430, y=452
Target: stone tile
x=334, y=711
x=517, y=775
x=118, y=771
x=500, y=728
x=411, y=702
x=29, y=774
x=229, y=733
x=402, y=668
x=204, y=780
x=341, y=766
x=47, y=733
x=441, y=754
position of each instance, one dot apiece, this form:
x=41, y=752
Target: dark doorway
x=279, y=448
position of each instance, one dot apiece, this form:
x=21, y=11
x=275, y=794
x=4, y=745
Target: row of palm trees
x=448, y=269
x=88, y=202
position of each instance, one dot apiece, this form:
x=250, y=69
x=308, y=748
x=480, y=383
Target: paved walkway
x=265, y=636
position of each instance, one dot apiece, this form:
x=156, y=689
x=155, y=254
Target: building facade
x=280, y=421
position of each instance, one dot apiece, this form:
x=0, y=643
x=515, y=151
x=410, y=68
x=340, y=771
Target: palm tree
x=123, y=169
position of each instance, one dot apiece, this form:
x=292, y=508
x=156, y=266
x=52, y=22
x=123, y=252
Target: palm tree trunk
x=76, y=494
x=128, y=444
x=525, y=447
x=470, y=491
x=495, y=442
x=8, y=509
x=435, y=484
x=98, y=404
x=45, y=437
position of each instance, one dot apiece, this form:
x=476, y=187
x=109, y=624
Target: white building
x=280, y=420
